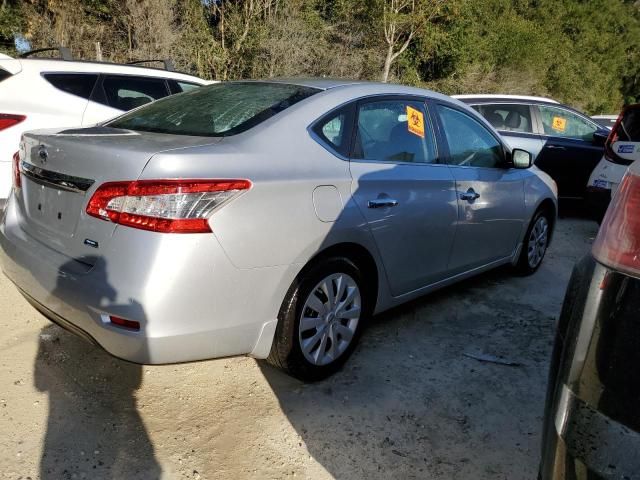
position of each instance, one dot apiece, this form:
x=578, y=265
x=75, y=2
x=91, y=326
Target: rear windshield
x=217, y=110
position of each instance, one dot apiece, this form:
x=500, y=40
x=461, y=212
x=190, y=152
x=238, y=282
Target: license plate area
x=52, y=209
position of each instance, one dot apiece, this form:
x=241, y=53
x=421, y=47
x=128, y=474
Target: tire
x=532, y=254
x=329, y=335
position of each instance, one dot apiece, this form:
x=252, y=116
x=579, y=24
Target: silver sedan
x=269, y=218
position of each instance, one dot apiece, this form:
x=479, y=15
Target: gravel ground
x=409, y=403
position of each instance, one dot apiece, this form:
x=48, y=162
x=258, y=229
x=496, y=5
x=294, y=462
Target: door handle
x=382, y=203
x=470, y=195
x=556, y=147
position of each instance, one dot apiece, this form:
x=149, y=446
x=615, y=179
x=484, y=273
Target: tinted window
x=334, y=130
x=629, y=128
x=4, y=74
x=79, y=84
x=470, y=143
x=559, y=122
x=216, y=110
x=395, y=131
x=510, y=118
x=126, y=93
x=179, y=87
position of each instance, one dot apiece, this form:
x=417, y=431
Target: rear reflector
x=618, y=242
x=122, y=322
x=168, y=206
x=17, y=181
x=8, y=120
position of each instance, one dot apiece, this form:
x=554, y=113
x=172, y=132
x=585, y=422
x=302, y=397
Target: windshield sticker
x=415, y=121
x=625, y=148
x=559, y=124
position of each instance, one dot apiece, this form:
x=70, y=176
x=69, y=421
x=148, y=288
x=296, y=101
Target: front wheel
x=535, y=244
x=320, y=320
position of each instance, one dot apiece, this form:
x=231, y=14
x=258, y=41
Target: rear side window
x=507, y=117
x=4, y=74
x=558, y=122
x=78, y=84
x=470, y=143
x=180, y=87
x=334, y=129
x=216, y=110
x=394, y=131
x=126, y=92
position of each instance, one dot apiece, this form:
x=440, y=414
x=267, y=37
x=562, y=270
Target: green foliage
x=585, y=53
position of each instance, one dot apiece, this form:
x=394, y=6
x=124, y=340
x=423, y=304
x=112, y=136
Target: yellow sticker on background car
x=415, y=121
x=559, y=124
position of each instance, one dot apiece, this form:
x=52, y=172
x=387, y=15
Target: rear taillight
x=168, y=206
x=17, y=182
x=618, y=242
x=8, y=120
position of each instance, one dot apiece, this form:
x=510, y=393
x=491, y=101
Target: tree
x=402, y=20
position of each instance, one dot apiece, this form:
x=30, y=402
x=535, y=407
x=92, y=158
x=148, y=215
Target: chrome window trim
x=56, y=180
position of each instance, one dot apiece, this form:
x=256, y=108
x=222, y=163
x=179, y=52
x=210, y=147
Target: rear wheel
x=535, y=243
x=320, y=320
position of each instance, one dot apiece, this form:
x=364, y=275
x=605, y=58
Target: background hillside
x=585, y=53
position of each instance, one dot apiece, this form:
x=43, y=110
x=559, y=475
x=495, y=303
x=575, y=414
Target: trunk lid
x=61, y=170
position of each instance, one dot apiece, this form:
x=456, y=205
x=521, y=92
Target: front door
x=569, y=154
x=407, y=198
x=490, y=196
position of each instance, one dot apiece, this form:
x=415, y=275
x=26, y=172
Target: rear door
x=405, y=194
x=490, y=206
x=115, y=94
x=570, y=152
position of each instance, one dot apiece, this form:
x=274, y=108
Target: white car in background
x=605, y=120
x=62, y=92
x=621, y=149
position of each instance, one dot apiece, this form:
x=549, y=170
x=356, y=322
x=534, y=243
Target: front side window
x=126, y=93
x=470, y=143
x=394, y=131
x=507, y=117
x=79, y=84
x=217, y=110
x=558, y=122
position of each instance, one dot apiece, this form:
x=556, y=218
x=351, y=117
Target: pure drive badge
x=625, y=148
x=91, y=243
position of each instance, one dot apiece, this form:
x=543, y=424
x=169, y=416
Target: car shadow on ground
x=94, y=429
x=410, y=397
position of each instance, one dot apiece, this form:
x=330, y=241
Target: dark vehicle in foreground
x=566, y=144
x=592, y=416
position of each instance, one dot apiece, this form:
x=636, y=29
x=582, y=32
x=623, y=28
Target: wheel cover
x=329, y=318
x=538, y=240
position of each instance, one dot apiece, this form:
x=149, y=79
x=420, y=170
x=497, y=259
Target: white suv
x=50, y=92
x=621, y=149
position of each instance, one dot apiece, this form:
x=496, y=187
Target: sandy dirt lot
x=409, y=404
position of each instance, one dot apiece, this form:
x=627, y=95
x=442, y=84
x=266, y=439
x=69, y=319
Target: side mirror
x=600, y=137
x=521, y=158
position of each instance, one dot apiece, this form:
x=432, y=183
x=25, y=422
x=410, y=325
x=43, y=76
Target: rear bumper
x=588, y=444
x=190, y=301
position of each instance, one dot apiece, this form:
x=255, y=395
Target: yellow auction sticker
x=559, y=124
x=415, y=121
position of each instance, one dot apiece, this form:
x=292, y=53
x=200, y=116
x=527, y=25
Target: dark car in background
x=566, y=144
x=592, y=415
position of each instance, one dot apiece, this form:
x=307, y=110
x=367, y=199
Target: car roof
x=366, y=87
x=501, y=97
x=86, y=66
